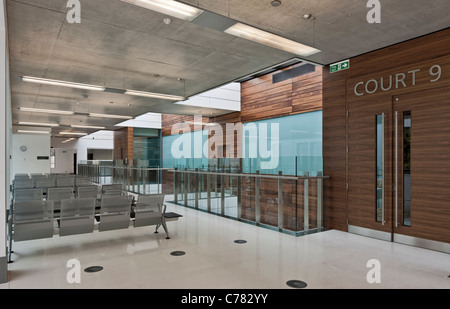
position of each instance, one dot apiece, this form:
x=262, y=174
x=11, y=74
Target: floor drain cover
x=240, y=241
x=177, y=253
x=93, y=269
x=296, y=284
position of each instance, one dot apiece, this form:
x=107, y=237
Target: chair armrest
x=164, y=208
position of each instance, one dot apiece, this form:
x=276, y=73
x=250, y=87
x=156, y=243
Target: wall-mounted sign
x=398, y=80
x=340, y=66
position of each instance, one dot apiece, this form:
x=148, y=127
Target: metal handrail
x=249, y=175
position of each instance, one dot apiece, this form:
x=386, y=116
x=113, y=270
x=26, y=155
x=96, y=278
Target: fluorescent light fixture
x=47, y=111
x=68, y=140
x=109, y=116
x=269, y=39
x=32, y=132
x=155, y=95
x=209, y=124
x=37, y=124
x=87, y=127
x=168, y=7
x=73, y=133
x=53, y=82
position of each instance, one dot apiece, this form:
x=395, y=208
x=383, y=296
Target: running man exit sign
x=343, y=65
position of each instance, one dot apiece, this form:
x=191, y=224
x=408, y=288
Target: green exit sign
x=343, y=65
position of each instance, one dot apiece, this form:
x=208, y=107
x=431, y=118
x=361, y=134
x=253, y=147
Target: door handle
x=396, y=169
x=382, y=169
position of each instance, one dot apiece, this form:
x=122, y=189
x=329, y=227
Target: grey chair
x=114, y=189
x=22, y=176
x=87, y=192
x=23, y=183
x=77, y=216
x=82, y=181
x=21, y=195
x=150, y=210
x=32, y=220
x=58, y=194
x=115, y=213
x=44, y=183
x=65, y=181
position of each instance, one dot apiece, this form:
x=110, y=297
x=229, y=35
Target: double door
x=399, y=169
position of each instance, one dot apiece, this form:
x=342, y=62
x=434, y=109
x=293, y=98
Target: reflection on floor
x=139, y=259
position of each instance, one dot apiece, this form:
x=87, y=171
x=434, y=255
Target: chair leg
x=163, y=223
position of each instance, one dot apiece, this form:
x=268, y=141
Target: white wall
x=102, y=154
x=63, y=161
x=98, y=140
x=5, y=131
x=26, y=161
x=225, y=97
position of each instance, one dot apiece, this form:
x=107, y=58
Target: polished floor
x=139, y=259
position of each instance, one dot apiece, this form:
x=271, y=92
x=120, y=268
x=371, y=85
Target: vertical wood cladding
x=338, y=92
x=169, y=120
x=263, y=99
x=123, y=144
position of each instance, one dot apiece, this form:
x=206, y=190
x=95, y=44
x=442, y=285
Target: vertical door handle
x=396, y=170
x=382, y=169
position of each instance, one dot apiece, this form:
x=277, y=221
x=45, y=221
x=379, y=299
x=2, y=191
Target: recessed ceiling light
x=307, y=16
x=276, y=3
x=169, y=7
x=272, y=40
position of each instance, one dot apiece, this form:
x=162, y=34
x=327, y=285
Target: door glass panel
x=379, y=173
x=407, y=168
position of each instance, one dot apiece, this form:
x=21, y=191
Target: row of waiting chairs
x=49, y=182
x=36, y=220
x=58, y=194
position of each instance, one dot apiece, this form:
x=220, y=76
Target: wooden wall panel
x=263, y=99
x=123, y=144
x=169, y=120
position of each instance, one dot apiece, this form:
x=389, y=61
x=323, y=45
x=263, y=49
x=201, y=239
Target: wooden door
x=422, y=164
x=369, y=162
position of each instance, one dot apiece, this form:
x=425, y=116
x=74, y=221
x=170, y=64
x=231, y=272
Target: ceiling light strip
x=73, y=133
x=32, y=132
x=155, y=95
x=109, y=116
x=37, y=124
x=100, y=88
x=272, y=40
x=87, y=127
x=168, y=7
x=47, y=111
x=60, y=83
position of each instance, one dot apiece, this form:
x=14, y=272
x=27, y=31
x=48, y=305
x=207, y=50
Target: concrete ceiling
x=123, y=46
